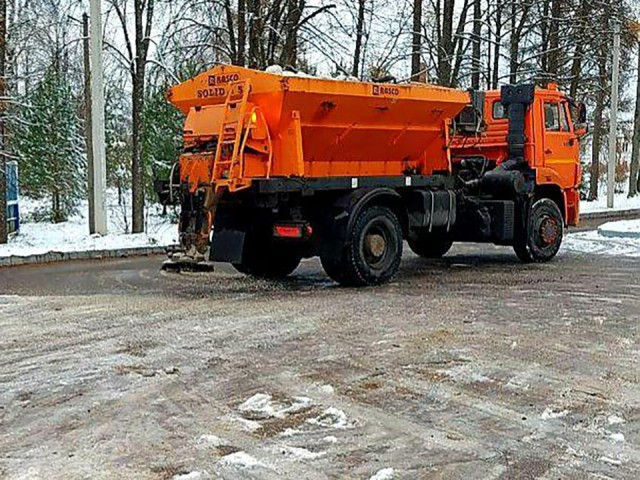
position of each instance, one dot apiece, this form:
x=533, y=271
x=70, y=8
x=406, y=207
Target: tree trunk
x=498, y=43
x=475, y=54
x=359, y=34
x=576, y=63
x=289, y=56
x=416, y=47
x=242, y=35
x=88, y=132
x=254, y=8
x=594, y=177
x=4, y=233
x=445, y=48
x=142, y=32
x=517, y=27
x=233, y=45
x=553, y=52
x=634, y=180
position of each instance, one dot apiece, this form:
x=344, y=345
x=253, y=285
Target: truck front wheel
x=430, y=245
x=373, y=250
x=543, y=236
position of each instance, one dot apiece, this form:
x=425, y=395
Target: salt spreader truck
x=277, y=168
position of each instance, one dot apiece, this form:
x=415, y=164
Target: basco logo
x=215, y=80
x=385, y=90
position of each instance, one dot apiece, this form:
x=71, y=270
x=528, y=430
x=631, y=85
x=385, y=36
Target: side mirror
x=579, y=112
x=580, y=129
x=582, y=113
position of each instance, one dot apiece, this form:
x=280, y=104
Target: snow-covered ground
x=40, y=237
x=621, y=202
x=614, y=238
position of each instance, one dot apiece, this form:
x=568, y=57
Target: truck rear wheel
x=373, y=250
x=430, y=245
x=268, y=259
x=545, y=230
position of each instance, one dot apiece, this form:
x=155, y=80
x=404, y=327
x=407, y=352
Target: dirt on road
x=473, y=367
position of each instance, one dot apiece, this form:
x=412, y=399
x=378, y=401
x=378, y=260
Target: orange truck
x=277, y=168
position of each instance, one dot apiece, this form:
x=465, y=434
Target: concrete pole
x=97, y=121
x=613, y=116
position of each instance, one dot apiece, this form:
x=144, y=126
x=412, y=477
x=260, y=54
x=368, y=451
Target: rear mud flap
x=227, y=246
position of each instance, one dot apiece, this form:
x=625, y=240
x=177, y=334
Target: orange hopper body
x=290, y=126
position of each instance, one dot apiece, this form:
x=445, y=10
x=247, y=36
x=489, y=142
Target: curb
x=617, y=234
x=610, y=216
x=54, y=257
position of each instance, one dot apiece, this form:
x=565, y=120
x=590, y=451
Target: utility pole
x=97, y=121
x=4, y=229
x=87, y=121
x=613, y=116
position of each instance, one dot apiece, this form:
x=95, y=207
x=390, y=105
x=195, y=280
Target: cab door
x=561, y=148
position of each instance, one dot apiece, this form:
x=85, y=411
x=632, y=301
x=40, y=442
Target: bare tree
x=634, y=180
x=3, y=96
x=416, y=45
x=136, y=57
x=359, y=34
x=475, y=41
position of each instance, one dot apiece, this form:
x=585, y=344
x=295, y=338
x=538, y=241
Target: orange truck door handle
x=548, y=151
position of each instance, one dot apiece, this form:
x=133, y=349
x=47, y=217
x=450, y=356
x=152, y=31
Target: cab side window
x=499, y=112
x=551, y=117
x=564, y=120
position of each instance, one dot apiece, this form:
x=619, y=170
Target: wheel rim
x=375, y=245
x=548, y=231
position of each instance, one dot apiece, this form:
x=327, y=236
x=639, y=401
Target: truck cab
x=553, y=126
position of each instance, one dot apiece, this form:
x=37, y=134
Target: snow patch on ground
x=263, y=405
x=622, y=228
x=611, y=461
x=614, y=420
x=248, y=425
x=241, y=460
x=617, y=437
x=331, y=418
x=211, y=441
x=613, y=238
x=549, y=413
x=41, y=237
x=299, y=453
x=466, y=374
x=327, y=389
x=384, y=474
x=192, y=476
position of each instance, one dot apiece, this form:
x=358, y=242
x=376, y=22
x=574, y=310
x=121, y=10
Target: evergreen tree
x=162, y=135
x=49, y=144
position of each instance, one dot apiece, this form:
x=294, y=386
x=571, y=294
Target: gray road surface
x=474, y=367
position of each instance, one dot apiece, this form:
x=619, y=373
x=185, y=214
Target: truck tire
x=268, y=259
x=545, y=230
x=430, y=245
x=372, y=252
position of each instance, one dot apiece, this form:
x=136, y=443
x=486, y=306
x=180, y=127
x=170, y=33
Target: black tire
x=430, y=245
x=268, y=259
x=373, y=250
x=544, y=233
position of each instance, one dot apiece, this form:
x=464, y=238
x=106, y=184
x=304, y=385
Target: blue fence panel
x=13, y=212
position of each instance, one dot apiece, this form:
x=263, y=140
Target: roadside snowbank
x=614, y=238
x=40, y=237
